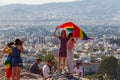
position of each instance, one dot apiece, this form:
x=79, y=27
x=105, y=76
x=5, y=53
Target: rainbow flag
x=8, y=66
x=77, y=32
x=68, y=26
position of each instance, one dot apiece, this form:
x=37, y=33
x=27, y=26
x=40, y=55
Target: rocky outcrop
x=26, y=75
x=2, y=73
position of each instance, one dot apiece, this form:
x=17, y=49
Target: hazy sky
x=5, y=2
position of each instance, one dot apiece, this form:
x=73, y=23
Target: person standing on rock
x=70, y=55
x=17, y=62
x=63, y=49
x=8, y=65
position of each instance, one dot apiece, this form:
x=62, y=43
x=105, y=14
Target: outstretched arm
x=4, y=50
x=54, y=34
x=76, y=39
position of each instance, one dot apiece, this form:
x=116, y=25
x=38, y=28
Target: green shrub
x=49, y=56
x=76, y=56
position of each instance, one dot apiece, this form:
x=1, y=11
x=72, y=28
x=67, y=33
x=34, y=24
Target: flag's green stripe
x=84, y=35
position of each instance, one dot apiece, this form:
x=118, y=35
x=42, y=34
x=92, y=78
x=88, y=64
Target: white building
x=117, y=56
x=85, y=58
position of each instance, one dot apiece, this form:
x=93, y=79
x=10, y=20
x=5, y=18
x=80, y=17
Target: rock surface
x=26, y=75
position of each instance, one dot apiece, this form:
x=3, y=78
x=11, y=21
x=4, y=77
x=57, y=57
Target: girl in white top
x=46, y=69
x=78, y=70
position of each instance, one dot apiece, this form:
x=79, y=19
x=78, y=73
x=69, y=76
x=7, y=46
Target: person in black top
x=35, y=68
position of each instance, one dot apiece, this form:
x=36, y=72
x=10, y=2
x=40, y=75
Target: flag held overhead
x=77, y=32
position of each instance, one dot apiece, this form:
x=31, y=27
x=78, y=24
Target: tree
x=109, y=66
x=118, y=69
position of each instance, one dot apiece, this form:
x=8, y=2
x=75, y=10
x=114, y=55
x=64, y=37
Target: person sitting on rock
x=78, y=70
x=35, y=68
x=46, y=69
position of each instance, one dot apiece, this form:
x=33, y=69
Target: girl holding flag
x=75, y=32
x=70, y=55
x=63, y=48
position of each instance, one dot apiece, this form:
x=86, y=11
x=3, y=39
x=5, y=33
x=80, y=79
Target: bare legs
x=61, y=61
x=16, y=73
x=64, y=63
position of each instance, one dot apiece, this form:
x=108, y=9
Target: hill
x=95, y=10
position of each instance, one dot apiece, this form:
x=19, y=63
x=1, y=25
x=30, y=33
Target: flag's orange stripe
x=68, y=27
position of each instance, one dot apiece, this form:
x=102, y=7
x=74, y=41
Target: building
x=90, y=68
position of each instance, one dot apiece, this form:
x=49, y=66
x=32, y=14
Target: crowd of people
x=45, y=71
x=66, y=55
x=65, y=58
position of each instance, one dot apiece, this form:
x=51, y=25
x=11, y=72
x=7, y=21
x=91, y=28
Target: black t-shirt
x=34, y=68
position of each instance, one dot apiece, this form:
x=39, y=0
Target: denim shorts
x=17, y=62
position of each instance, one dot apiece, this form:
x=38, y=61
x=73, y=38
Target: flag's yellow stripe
x=81, y=34
x=7, y=66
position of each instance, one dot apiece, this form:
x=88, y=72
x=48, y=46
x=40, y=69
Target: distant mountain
x=83, y=7
x=68, y=10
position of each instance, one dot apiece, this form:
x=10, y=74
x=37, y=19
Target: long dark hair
x=18, y=42
x=63, y=31
x=10, y=44
x=70, y=35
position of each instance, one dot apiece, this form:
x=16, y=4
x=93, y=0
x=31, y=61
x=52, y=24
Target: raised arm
x=22, y=49
x=76, y=39
x=73, y=40
x=4, y=51
x=54, y=34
